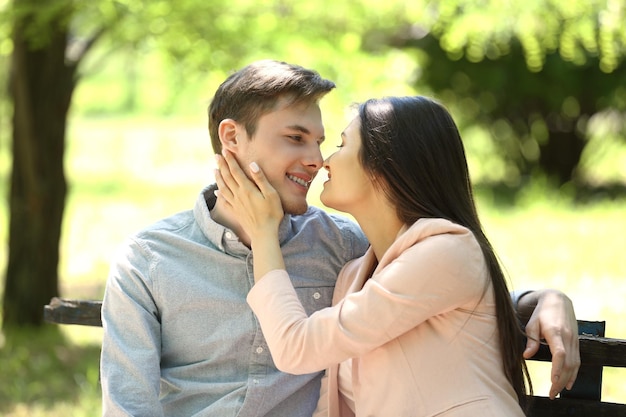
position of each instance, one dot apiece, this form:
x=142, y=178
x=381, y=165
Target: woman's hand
x=553, y=319
x=257, y=208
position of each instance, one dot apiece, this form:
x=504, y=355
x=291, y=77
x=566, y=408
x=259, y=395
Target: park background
x=137, y=149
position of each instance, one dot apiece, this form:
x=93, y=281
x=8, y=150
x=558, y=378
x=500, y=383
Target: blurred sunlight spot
x=350, y=42
x=6, y=47
x=571, y=107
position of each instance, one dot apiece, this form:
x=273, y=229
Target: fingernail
x=217, y=158
x=216, y=193
x=254, y=167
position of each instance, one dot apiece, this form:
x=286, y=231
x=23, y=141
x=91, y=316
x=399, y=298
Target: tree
x=41, y=100
x=535, y=73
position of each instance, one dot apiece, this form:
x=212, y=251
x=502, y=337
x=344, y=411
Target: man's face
x=286, y=145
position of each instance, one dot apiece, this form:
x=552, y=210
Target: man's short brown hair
x=254, y=90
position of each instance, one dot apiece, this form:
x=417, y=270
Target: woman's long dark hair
x=412, y=148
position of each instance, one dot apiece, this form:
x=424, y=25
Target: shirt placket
x=260, y=360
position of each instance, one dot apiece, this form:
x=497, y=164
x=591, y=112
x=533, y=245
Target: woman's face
x=348, y=188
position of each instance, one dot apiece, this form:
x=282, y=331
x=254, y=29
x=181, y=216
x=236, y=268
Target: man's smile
x=299, y=180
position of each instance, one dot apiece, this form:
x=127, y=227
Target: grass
x=45, y=374
x=125, y=174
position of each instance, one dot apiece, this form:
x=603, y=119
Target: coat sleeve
x=131, y=346
x=437, y=274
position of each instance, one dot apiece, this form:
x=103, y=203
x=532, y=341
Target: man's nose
x=313, y=157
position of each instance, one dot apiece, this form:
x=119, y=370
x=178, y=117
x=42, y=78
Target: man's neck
x=223, y=216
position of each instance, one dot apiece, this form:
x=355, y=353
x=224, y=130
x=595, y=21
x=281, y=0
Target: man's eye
x=297, y=138
x=340, y=146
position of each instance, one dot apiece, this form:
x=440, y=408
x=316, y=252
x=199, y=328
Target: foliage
x=198, y=36
x=196, y=40
x=537, y=120
x=577, y=29
x=534, y=73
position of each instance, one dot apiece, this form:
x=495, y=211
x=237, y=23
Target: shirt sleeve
x=129, y=364
x=435, y=275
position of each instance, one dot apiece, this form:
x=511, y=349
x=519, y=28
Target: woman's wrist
x=264, y=234
x=267, y=254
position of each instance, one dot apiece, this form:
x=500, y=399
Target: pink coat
x=422, y=330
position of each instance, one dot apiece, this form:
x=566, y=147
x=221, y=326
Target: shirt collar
x=221, y=236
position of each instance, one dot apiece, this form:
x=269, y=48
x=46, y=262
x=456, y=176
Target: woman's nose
x=326, y=163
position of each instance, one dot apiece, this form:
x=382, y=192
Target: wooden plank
x=602, y=351
x=593, y=351
x=64, y=311
x=545, y=407
x=588, y=385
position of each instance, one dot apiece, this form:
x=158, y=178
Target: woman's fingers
x=236, y=173
x=224, y=180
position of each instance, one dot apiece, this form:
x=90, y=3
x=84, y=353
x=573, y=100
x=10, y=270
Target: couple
x=180, y=338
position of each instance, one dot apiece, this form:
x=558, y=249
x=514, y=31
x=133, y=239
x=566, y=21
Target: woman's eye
x=340, y=146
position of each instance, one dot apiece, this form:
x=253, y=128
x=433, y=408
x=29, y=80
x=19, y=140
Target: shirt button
x=259, y=350
x=317, y=295
x=229, y=235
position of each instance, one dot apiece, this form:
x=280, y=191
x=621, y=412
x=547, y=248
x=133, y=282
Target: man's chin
x=295, y=209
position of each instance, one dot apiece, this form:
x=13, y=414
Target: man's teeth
x=299, y=180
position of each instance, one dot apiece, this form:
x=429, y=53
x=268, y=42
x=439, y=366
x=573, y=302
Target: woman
x=422, y=324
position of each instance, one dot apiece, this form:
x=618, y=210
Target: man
x=179, y=337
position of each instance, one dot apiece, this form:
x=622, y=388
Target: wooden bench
x=584, y=400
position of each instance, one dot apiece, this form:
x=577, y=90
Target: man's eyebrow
x=299, y=128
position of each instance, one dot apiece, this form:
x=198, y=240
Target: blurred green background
x=137, y=147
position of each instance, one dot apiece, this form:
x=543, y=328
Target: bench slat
x=64, y=311
x=594, y=351
x=571, y=407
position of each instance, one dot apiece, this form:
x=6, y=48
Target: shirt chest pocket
x=315, y=298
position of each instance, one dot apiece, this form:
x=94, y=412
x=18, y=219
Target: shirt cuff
x=517, y=295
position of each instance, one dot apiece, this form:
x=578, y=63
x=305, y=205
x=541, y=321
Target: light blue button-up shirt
x=179, y=336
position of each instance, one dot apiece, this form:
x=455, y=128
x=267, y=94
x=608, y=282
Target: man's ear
x=229, y=132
